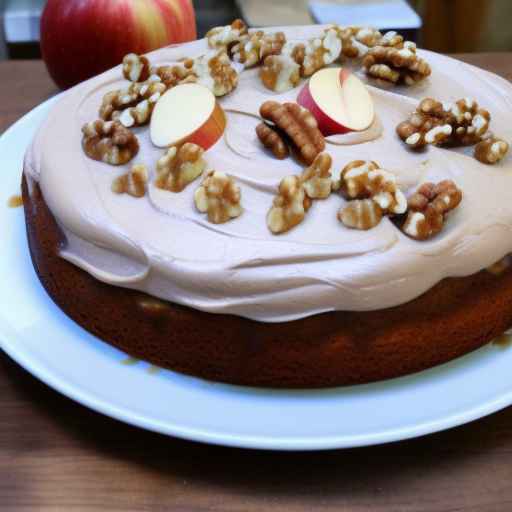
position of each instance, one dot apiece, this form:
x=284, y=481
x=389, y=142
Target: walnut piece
x=219, y=197
x=428, y=208
x=134, y=105
x=316, y=178
x=365, y=180
x=320, y=52
x=272, y=140
x=280, y=73
x=428, y=124
x=133, y=182
x=136, y=68
x=179, y=166
x=253, y=48
x=289, y=206
x=222, y=37
x=215, y=71
x=361, y=214
x=460, y=123
x=396, y=65
x=109, y=142
x=469, y=121
x=175, y=74
x=298, y=124
x=357, y=41
x=491, y=150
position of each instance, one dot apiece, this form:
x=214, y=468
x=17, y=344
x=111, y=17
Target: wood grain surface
x=56, y=455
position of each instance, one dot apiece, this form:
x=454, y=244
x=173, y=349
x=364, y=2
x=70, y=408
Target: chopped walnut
x=219, y=197
x=320, y=52
x=179, y=167
x=289, y=206
x=298, y=124
x=365, y=180
x=253, y=48
x=460, y=123
x=109, y=142
x=222, y=37
x=134, y=105
x=133, y=182
x=470, y=122
x=396, y=65
x=280, y=73
x=361, y=214
x=428, y=124
x=356, y=41
x=136, y=68
x=215, y=71
x=175, y=74
x=395, y=40
x=491, y=150
x=428, y=208
x=316, y=179
x=272, y=140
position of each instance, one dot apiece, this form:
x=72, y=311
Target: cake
x=271, y=247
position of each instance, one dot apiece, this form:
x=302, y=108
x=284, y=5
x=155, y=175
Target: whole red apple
x=82, y=38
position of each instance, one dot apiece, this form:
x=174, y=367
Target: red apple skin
x=326, y=124
x=82, y=38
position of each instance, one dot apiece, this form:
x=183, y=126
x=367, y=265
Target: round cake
x=271, y=247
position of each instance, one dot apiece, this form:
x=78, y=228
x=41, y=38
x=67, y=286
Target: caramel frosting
x=162, y=245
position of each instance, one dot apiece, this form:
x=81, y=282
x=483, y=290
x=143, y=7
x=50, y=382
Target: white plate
x=35, y=333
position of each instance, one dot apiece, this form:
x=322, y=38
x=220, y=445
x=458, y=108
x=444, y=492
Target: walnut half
x=396, y=65
x=364, y=183
x=109, y=142
x=491, y=151
x=219, y=197
x=361, y=214
x=316, y=178
x=179, y=167
x=364, y=179
x=280, y=73
x=222, y=37
x=289, y=206
x=272, y=140
x=428, y=208
x=133, y=182
x=300, y=126
x=136, y=68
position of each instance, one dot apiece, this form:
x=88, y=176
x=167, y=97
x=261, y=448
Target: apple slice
x=187, y=113
x=339, y=101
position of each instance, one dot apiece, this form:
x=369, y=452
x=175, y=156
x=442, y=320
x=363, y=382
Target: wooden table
x=56, y=455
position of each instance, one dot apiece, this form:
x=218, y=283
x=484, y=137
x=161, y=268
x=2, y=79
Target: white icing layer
x=160, y=244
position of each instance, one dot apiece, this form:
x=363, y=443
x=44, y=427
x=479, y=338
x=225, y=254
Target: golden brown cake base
x=331, y=349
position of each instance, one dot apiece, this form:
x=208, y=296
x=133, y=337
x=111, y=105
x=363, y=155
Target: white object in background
x=22, y=19
x=383, y=14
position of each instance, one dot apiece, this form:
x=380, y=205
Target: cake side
x=456, y=316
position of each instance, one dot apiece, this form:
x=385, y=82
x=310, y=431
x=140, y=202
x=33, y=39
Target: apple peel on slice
x=187, y=113
x=338, y=100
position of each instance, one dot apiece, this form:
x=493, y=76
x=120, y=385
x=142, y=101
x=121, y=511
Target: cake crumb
x=503, y=341
x=130, y=361
x=15, y=201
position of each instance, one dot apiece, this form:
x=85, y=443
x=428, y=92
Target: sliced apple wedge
x=187, y=113
x=339, y=101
